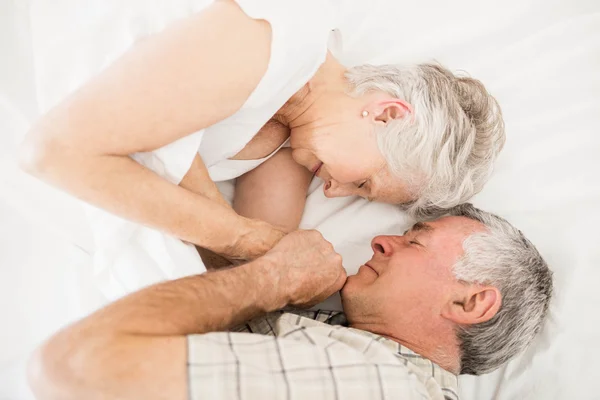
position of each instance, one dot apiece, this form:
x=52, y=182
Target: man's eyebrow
x=420, y=227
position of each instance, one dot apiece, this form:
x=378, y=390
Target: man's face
x=409, y=279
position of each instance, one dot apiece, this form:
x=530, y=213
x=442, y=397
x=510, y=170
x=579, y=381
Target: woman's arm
x=274, y=192
x=198, y=181
x=166, y=87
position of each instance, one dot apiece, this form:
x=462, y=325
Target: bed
x=539, y=58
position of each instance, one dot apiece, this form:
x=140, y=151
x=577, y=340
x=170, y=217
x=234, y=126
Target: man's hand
x=306, y=269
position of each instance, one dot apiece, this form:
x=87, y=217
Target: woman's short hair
x=446, y=150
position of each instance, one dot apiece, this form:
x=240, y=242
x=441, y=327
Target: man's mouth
x=367, y=265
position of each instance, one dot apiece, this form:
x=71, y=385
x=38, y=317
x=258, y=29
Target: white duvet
x=539, y=58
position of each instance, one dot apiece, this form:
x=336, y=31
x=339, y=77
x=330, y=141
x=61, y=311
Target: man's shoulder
x=321, y=328
x=308, y=342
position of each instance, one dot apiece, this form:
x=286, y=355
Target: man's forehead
x=446, y=236
x=458, y=224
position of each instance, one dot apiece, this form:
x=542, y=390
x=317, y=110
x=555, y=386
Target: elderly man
x=461, y=294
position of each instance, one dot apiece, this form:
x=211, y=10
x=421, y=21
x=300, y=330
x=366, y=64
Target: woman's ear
x=475, y=305
x=386, y=110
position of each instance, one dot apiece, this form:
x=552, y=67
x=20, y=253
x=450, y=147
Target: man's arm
x=135, y=348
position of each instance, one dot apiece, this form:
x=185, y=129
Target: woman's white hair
x=501, y=257
x=446, y=150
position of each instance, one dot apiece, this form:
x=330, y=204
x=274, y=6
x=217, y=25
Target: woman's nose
x=383, y=245
x=331, y=188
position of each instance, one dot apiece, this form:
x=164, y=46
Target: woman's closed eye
x=365, y=190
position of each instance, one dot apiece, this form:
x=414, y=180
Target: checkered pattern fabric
x=309, y=355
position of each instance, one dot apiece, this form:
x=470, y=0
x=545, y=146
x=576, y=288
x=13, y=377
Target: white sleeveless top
x=129, y=256
x=302, y=33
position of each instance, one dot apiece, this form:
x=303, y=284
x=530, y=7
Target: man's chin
x=351, y=303
x=348, y=285
x=349, y=290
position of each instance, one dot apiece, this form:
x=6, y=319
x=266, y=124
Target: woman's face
x=339, y=146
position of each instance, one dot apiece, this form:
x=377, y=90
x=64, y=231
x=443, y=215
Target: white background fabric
x=540, y=59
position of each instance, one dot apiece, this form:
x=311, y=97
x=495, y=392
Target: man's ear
x=387, y=110
x=476, y=304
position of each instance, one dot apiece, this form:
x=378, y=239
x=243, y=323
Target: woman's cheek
x=302, y=157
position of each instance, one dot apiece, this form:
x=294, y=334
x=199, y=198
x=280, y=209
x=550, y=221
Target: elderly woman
x=202, y=102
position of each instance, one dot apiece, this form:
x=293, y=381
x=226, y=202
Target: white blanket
x=540, y=59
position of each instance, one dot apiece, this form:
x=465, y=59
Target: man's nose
x=383, y=244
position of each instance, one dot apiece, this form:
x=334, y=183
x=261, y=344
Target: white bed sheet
x=540, y=59
x=46, y=280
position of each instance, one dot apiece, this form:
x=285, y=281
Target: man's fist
x=306, y=269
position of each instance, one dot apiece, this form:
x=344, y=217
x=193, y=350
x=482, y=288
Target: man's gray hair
x=445, y=151
x=501, y=257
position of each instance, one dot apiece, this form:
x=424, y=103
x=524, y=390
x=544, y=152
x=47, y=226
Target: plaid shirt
x=310, y=355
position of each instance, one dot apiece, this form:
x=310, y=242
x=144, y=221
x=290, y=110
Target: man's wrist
x=270, y=296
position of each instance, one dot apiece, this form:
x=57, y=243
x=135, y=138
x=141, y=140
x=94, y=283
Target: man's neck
x=439, y=345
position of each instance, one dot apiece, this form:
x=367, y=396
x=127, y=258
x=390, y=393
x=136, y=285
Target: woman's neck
x=328, y=79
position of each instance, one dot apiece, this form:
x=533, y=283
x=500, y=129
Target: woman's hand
x=256, y=238
x=252, y=237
